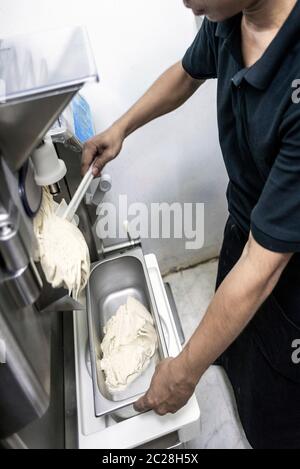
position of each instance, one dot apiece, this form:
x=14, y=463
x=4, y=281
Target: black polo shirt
x=259, y=127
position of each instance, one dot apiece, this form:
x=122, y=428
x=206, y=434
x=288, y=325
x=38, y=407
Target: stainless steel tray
x=111, y=282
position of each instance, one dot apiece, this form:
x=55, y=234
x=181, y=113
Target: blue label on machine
x=83, y=121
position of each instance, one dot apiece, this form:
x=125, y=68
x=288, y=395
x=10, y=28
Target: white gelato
x=62, y=249
x=129, y=344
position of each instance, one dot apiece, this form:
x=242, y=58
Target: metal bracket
x=121, y=247
x=65, y=304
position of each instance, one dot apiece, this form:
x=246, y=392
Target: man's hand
x=171, y=388
x=102, y=149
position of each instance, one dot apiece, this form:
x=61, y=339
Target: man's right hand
x=102, y=149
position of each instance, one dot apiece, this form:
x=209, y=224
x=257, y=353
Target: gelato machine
x=51, y=394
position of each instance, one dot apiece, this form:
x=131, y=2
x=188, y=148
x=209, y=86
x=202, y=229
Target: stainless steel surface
x=65, y=304
x=64, y=136
x=175, y=313
x=108, y=250
x=54, y=189
x=70, y=398
x=39, y=76
x=110, y=284
x=28, y=331
x=29, y=120
x=12, y=210
x=47, y=432
x=15, y=236
x=20, y=289
x=110, y=432
x=20, y=284
x=24, y=378
x=57, y=428
x=24, y=390
x=12, y=249
x=13, y=442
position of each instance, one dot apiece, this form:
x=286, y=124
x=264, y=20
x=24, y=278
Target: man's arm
x=237, y=300
x=168, y=93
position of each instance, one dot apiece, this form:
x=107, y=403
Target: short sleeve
x=200, y=60
x=275, y=221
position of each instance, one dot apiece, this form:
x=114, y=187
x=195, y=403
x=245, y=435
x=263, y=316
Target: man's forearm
x=168, y=93
x=237, y=300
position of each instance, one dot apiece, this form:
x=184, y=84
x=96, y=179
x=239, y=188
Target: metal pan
x=111, y=282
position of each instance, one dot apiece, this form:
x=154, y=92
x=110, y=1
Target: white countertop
x=105, y=433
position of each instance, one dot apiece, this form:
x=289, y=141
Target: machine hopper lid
x=39, y=75
x=45, y=62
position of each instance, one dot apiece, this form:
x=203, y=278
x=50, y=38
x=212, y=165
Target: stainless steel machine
x=47, y=384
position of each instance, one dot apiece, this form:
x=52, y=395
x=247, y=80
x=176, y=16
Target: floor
x=220, y=427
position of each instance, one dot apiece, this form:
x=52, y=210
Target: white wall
x=175, y=159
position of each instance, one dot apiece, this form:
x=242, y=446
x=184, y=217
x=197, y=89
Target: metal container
x=111, y=282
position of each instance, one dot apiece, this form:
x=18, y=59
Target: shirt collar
x=262, y=72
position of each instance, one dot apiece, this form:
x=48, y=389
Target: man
x=253, y=48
